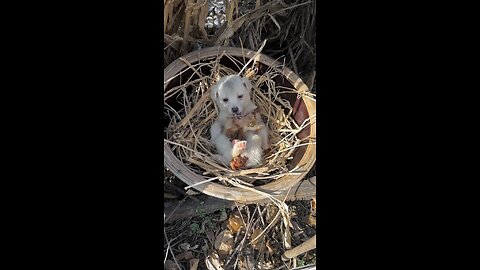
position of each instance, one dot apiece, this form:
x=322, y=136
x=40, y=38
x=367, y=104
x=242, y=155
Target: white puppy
x=232, y=96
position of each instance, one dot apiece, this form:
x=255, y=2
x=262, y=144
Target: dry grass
x=288, y=25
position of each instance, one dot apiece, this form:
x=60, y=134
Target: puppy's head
x=232, y=94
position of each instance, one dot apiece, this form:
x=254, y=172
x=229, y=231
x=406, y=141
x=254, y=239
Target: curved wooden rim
x=281, y=185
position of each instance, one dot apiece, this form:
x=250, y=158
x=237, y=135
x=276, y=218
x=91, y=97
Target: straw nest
x=188, y=134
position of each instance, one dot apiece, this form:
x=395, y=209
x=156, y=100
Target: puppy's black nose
x=235, y=109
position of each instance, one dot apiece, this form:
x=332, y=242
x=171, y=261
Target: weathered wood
x=304, y=247
x=184, y=209
x=308, y=267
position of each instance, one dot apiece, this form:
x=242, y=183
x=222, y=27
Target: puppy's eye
x=225, y=99
x=240, y=96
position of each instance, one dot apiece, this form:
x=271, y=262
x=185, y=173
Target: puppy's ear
x=216, y=88
x=214, y=92
x=247, y=83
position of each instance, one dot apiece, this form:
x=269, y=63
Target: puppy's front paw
x=238, y=162
x=265, y=146
x=240, y=145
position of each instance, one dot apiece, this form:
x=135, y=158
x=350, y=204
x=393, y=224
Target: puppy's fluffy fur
x=232, y=94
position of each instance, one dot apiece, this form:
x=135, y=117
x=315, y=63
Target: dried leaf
x=184, y=256
x=194, y=264
x=224, y=243
x=235, y=223
x=212, y=262
x=265, y=265
x=241, y=264
x=170, y=265
x=254, y=237
x=259, y=243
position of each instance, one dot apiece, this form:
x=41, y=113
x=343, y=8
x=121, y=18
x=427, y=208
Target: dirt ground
x=227, y=236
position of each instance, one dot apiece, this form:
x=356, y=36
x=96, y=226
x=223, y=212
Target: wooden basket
x=304, y=157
